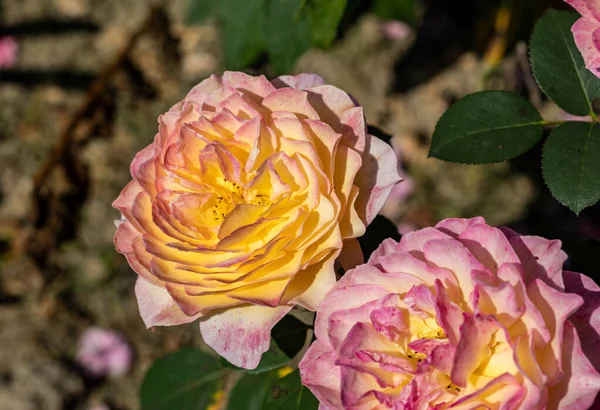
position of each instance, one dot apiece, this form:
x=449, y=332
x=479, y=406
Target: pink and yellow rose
x=250, y=192
x=586, y=32
x=460, y=316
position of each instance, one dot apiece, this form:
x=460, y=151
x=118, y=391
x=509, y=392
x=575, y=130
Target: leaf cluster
x=281, y=29
x=494, y=126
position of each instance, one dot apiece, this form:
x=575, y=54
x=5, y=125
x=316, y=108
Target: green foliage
x=251, y=391
x=271, y=359
x=266, y=391
x=288, y=33
x=325, y=16
x=290, y=394
x=403, y=10
x=242, y=23
x=199, y=11
x=558, y=66
x=186, y=379
x=571, y=164
x=290, y=335
x=284, y=29
x=493, y=126
x=486, y=127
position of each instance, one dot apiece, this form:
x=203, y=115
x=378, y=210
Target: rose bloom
x=460, y=316
x=238, y=210
x=586, y=32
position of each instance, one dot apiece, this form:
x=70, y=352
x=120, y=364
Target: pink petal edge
x=242, y=334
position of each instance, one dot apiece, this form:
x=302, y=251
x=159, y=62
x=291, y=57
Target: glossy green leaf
x=290, y=394
x=271, y=359
x=199, y=11
x=288, y=33
x=251, y=391
x=183, y=380
x=571, y=164
x=242, y=31
x=558, y=66
x=325, y=16
x=486, y=127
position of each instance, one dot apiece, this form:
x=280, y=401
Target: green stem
x=550, y=123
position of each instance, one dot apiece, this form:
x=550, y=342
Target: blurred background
x=82, y=83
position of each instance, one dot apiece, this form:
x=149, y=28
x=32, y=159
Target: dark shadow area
x=49, y=27
x=380, y=229
x=32, y=78
x=448, y=29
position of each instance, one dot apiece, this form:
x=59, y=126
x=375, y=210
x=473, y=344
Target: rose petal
x=455, y=226
x=157, y=307
x=585, y=36
x=256, y=85
x=242, y=334
x=489, y=245
x=541, y=258
x=342, y=299
x=377, y=176
x=475, y=334
x=581, y=382
x=587, y=8
x=300, y=81
x=319, y=373
x=587, y=318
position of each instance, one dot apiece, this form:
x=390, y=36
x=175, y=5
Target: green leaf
x=403, y=10
x=288, y=33
x=325, y=16
x=242, y=23
x=486, y=127
x=290, y=335
x=199, y=11
x=571, y=164
x=289, y=394
x=271, y=359
x=186, y=379
x=251, y=391
x=558, y=66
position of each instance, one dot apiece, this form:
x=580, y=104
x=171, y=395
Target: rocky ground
x=58, y=270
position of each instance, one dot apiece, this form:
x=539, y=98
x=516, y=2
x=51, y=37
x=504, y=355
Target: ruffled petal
x=319, y=373
x=157, y=307
x=242, y=334
x=541, y=258
x=377, y=176
x=587, y=8
x=581, y=382
x=300, y=81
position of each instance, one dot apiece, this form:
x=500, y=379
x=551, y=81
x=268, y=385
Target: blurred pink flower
x=8, y=52
x=103, y=352
x=405, y=228
x=586, y=32
x=395, y=30
x=459, y=316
